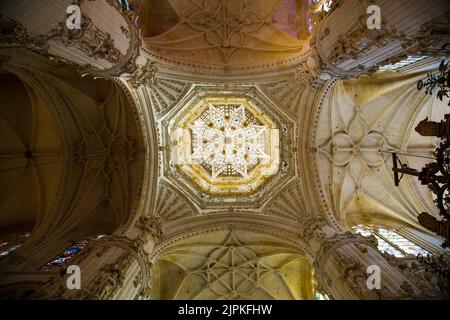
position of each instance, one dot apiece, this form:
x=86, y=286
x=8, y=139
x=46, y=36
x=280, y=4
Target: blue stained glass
x=66, y=255
x=125, y=5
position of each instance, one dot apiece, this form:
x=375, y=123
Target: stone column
x=114, y=267
x=344, y=45
x=102, y=48
x=344, y=262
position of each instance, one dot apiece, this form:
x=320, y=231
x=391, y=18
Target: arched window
x=411, y=59
x=6, y=248
x=125, y=5
x=316, y=8
x=391, y=242
x=11, y=244
x=61, y=259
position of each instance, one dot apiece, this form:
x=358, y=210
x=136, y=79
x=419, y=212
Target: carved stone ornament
x=152, y=227
x=432, y=39
x=14, y=33
x=127, y=63
x=145, y=75
x=354, y=273
x=360, y=40
x=91, y=40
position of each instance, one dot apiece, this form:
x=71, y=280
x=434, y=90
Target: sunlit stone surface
x=226, y=145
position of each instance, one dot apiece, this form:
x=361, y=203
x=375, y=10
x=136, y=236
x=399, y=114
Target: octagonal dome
x=226, y=144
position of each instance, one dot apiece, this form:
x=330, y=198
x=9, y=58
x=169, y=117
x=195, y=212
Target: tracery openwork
x=225, y=144
x=391, y=242
x=228, y=140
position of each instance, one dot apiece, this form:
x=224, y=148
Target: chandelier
x=440, y=80
x=435, y=175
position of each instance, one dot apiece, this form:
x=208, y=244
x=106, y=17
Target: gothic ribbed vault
x=216, y=149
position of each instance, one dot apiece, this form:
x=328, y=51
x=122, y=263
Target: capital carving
x=13, y=33
x=152, y=227
x=330, y=242
x=146, y=75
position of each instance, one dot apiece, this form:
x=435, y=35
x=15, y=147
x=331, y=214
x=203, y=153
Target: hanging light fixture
x=436, y=174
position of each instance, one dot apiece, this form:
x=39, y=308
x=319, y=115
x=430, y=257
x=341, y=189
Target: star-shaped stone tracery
x=228, y=141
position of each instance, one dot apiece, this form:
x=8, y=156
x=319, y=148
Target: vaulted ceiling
x=226, y=34
x=335, y=139
x=362, y=122
x=232, y=265
x=348, y=127
x=28, y=135
x=180, y=197
x=71, y=154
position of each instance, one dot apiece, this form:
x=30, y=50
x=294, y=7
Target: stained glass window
x=125, y=5
x=12, y=243
x=317, y=8
x=391, y=242
x=404, y=244
x=6, y=248
x=66, y=255
x=69, y=253
x=128, y=5
x=403, y=63
x=388, y=248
